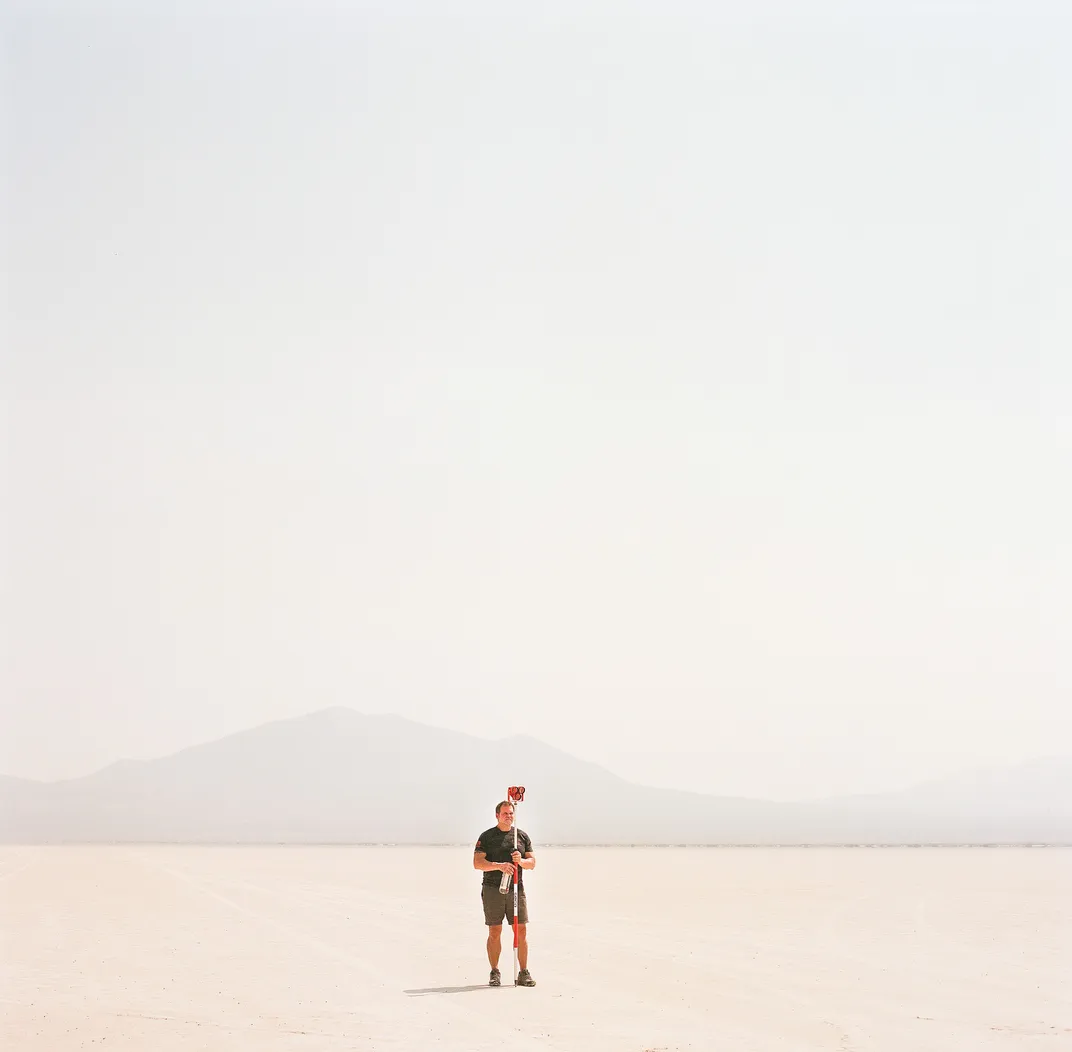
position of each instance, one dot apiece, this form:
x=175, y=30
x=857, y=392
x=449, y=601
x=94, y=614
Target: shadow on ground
x=446, y=990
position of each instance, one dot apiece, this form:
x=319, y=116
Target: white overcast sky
x=687, y=386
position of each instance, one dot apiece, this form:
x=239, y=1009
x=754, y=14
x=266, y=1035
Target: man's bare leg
x=494, y=944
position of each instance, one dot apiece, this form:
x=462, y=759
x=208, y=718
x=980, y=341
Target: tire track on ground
x=388, y=1015
x=12, y=868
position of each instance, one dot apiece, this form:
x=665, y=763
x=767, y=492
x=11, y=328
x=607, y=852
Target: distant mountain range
x=338, y=776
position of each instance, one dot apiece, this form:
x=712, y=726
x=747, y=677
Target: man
x=495, y=855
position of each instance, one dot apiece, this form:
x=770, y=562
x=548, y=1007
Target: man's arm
x=525, y=861
x=529, y=858
x=480, y=861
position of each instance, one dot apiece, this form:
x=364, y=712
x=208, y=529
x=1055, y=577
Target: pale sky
x=687, y=386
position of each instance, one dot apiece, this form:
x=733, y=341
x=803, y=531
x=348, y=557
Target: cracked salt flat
x=272, y=948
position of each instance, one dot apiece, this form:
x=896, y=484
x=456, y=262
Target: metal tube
x=517, y=869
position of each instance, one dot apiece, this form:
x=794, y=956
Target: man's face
x=506, y=817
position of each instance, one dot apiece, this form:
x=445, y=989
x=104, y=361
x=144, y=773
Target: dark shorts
x=499, y=908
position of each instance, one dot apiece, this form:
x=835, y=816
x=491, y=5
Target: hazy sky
x=686, y=386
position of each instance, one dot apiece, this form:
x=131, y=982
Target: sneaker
x=524, y=979
x=495, y=979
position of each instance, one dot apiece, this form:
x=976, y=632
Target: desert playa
x=271, y=948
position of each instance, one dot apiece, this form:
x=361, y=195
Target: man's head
x=504, y=812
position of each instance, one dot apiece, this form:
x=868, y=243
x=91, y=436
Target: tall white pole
x=517, y=872
x=515, y=794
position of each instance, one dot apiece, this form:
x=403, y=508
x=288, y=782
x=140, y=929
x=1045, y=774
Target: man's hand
x=516, y=856
x=506, y=867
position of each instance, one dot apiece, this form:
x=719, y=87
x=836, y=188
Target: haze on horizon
x=684, y=386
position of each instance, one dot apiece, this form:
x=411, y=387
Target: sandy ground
x=900, y=950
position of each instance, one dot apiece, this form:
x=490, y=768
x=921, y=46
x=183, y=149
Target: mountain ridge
x=337, y=775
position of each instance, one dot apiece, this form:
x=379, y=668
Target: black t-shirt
x=498, y=847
